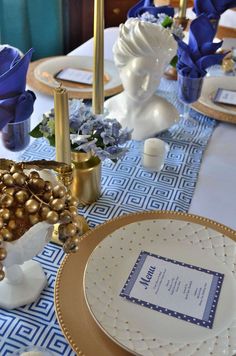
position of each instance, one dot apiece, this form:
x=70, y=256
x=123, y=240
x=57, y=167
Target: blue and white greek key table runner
x=126, y=188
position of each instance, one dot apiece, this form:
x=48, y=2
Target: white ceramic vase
x=24, y=278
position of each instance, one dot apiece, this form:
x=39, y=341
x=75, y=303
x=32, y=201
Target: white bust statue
x=141, y=52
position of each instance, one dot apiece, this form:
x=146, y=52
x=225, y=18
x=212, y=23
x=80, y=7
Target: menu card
x=175, y=288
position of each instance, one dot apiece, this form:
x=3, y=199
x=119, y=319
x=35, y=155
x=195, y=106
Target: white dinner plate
x=209, y=89
x=147, y=332
x=46, y=70
x=205, y=104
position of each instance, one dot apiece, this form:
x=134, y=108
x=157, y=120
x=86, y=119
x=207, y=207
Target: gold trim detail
x=215, y=114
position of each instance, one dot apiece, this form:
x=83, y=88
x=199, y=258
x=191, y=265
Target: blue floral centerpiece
x=102, y=136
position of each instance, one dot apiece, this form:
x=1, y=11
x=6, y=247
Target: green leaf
x=174, y=61
x=36, y=133
x=51, y=140
x=167, y=22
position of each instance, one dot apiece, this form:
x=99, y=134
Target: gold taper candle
x=98, y=57
x=62, y=129
x=182, y=8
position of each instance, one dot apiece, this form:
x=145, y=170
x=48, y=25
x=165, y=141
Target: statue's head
x=141, y=52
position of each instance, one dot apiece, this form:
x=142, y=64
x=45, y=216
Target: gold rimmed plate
x=42, y=76
x=78, y=325
x=206, y=105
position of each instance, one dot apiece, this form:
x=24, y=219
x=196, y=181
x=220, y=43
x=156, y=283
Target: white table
x=215, y=194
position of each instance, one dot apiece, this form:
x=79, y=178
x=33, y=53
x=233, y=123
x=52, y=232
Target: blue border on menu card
x=213, y=296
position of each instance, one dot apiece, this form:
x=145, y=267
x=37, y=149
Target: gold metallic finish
x=116, y=10
x=86, y=184
x=228, y=65
x=98, y=57
x=62, y=129
x=182, y=8
x=76, y=322
x=64, y=174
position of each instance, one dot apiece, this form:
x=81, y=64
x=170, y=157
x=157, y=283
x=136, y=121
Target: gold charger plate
x=77, y=324
x=75, y=90
x=206, y=106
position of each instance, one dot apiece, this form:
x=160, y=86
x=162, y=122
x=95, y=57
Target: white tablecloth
x=215, y=194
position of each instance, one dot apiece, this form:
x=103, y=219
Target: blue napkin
x=16, y=104
x=148, y=6
x=212, y=8
x=199, y=54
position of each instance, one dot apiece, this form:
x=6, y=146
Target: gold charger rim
x=212, y=112
x=34, y=83
x=83, y=327
x=215, y=114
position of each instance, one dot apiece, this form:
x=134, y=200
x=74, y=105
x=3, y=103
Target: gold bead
x=48, y=186
x=57, y=204
x=6, y=200
x=32, y=206
x=1, y=223
x=74, y=202
x=73, y=210
x=59, y=191
x=20, y=213
x=70, y=229
x=12, y=224
x=65, y=216
x=34, y=219
x=44, y=210
x=19, y=178
x=9, y=190
x=34, y=174
x=8, y=180
x=6, y=234
x=5, y=214
x=61, y=233
x=77, y=222
x=75, y=249
x=3, y=253
x=47, y=196
x=21, y=196
x=67, y=247
x=2, y=275
x=75, y=239
x=68, y=196
x=36, y=184
x=52, y=217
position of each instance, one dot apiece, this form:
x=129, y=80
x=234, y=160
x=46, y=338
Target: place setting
x=75, y=74
x=100, y=252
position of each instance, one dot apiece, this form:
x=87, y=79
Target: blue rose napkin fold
x=148, y=6
x=212, y=8
x=16, y=103
x=200, y=53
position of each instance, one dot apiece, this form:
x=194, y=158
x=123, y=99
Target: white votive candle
x=154, y=154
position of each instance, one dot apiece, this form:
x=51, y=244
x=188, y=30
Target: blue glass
x=189, y=89
x=15, y=135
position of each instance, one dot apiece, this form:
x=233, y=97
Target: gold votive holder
x=86, y=184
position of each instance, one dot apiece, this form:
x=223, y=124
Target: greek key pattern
x=126, y=188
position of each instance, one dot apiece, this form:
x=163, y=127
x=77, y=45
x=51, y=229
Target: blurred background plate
x=41, y=76
x=205, y=104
